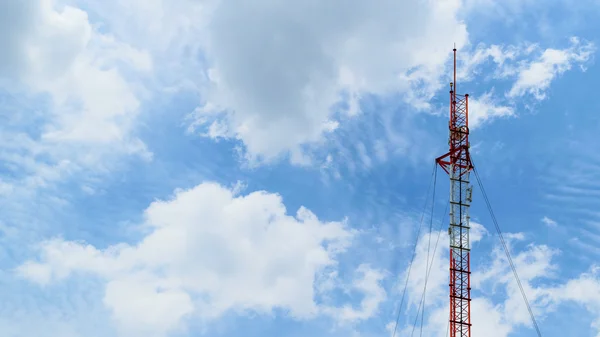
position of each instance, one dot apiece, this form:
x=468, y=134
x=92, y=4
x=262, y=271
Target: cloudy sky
x=260, y=168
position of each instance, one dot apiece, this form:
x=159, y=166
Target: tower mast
x=457, y=163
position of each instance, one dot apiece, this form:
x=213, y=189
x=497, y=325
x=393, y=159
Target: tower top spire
x=454, y=81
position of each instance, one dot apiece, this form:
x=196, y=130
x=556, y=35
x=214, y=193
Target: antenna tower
x=457, y=163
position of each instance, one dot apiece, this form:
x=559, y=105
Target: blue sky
x=191, y=168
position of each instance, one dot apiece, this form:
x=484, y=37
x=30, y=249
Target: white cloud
x=584, y=290
x=549, y=222
x=437, y=282
x=531, y=74
x=160, y=26
x=62, y=54
x=532, y=68
x=499, y=318
x=279, y=80
x=279, y=96
x=535, y=77
x=484, y=109
x=532, y=264
x=275, y=87
x=209, y=251
x=142, y=304
x=368, y=284
x=52, y=49
x=473, y=60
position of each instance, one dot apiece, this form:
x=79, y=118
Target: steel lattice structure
x=457, y=163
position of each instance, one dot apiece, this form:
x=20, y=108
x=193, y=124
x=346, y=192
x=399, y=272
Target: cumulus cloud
x=368, y=284
x=491, y=315
x=274, y=85
x=209, y=251
x=437, y=279
x=59, y=52
x=49, y=48
x=584, y=290
x=484, y=109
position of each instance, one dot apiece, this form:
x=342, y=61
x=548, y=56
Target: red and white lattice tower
x=457, y=163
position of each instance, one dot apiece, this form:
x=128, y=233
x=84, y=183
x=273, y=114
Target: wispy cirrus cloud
x=535, y=77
